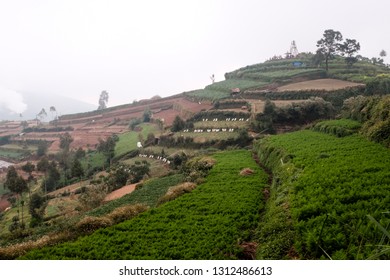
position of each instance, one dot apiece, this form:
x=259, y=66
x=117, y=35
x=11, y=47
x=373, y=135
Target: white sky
x=137, y=49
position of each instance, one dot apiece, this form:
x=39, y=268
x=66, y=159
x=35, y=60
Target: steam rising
x=12, y=100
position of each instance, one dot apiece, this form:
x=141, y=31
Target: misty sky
x=138, y=49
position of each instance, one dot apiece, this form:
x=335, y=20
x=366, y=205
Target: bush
x=92, y=197
x=177, y=191
x=126, y=212
x=90, y=224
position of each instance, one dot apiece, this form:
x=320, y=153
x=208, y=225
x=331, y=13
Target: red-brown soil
x=4, y=203
x=89, y=127
x=320, y=84
x=120, y=192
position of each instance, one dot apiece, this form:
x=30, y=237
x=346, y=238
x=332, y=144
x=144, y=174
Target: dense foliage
x=374, y=113
x=296, y=113
x=211, y=222
x=339, y=128
x=330, y=185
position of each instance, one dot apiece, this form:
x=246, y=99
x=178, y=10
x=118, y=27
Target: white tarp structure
x=4, y=164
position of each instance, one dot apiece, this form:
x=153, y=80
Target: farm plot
x=214, y=221
x=319, y=84
x=333, y=184
x=230, y=84
x=210, y=124
x=128, y=141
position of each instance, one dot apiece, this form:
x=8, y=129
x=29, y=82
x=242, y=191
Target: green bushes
x=378, y=85
x=297, y=113
x=374, y=112
x=148, y=195
x=339, y=128
x=48, y=129
x=211, y=222
x=228, y=85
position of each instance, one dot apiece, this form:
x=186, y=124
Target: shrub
x=177, y=191
x=92, y=197
x=126, y=212
x=90, y=224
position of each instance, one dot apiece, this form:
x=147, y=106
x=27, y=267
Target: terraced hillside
x=151, y=148
x=215, y=221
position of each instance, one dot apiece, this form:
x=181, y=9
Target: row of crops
x=211, y=222
x=335, y=190
x=251, y=78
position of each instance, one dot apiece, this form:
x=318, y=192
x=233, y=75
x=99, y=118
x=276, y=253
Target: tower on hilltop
x=293, y=50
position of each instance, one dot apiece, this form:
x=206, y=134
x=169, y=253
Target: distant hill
x=34, y=102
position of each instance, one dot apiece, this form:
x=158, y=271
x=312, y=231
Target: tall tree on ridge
x=103, y=100
x=329, y=45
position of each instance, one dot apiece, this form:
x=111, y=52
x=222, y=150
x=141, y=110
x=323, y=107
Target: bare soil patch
x=70, y=188
x=320, y=84
x=4, y=203
x=120, y=192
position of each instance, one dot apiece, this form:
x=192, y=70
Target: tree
x=65, y=141
x=42, y=148
x=16, y=184
x=80, y=153
x=349, y=48
x=382, y=53
x=318, y=58
x=42, y=114
x=43, y=164
x=150, y=139
x=53, y=178
x=24, y=124
x=108, y=147
x=147, y=115
x=77, y=170
x=37, y=209
x=103, y=100
x=329, y=45
x=178, y=124
x=29, y=168
x=53, y=111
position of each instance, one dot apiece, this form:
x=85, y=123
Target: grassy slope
x=324, y=187
x=282, y=71
x=208, y=223
x=128, y=141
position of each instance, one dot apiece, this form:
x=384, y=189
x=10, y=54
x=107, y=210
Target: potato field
x=214, y=221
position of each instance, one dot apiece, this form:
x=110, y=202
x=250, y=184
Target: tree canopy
x=329, y=45
x=103, y=100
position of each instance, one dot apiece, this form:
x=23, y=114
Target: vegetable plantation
x=211, y=222
x=333, y=185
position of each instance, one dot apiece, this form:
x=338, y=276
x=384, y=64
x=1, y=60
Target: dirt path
x=120, y=192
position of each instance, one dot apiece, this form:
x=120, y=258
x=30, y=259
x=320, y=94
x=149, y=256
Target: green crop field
x=281, y=74
x=220, y=124
x=340, y=128
x=229, y=84
x=13, y=154
x=149, y=195
x=208, y=94
x=331, y=185
x=128, y=141
x=211, y=222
